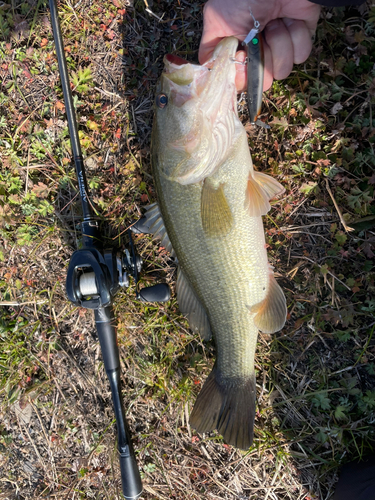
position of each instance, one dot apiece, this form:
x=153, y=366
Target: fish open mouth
x=181, y=73
x=177, y=60
x=185, y=80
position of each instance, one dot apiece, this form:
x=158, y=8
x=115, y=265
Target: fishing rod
x=95, y=274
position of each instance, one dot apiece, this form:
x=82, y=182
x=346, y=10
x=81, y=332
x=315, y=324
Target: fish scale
x=212, y=215
x=221, y=282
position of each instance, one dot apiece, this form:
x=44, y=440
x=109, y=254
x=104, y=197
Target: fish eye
x=161, y=101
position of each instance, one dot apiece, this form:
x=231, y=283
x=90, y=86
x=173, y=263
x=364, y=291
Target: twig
x=306, y=349
x=310, y=234
x=328, y=272
x=33, y=444
x=10, y=303
x=297, y=207
x=152, y=491
x=292, y=228
x=112, y=109
x=27, y=171
x=187, y=419
x=346, y=227
x=150, y=12
x=342, y=370
x=364, y=349
x=134, y=122
x=46, y=436
x=25, y=120
x=109, y=94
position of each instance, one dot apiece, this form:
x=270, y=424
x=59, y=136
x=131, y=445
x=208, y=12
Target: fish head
x=195, y=114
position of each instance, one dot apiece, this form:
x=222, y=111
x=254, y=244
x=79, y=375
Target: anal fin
x=271, y=312
x=191, y=307
x=217, y=218
x=261, y=188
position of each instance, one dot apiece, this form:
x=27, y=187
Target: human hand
x=287, y=27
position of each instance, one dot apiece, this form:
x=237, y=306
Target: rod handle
x=130, y=477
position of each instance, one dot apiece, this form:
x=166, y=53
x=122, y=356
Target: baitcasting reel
x=95, y=275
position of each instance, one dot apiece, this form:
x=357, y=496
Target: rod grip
x=130, y=477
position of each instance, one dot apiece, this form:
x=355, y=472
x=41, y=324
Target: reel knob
x=156, y=293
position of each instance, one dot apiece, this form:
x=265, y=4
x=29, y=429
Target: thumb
x=207, y=46
x=214, y=29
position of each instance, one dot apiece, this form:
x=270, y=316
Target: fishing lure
x=255, y=73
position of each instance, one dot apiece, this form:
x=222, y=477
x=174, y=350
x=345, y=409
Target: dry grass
x=315, y=379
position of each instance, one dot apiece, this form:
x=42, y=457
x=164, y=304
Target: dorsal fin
x=155, y=225
x=191, y=307
x=216, y=216
x=261, y=188
x=271, y=312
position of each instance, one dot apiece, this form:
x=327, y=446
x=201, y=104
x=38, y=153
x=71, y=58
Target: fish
x=210, y=203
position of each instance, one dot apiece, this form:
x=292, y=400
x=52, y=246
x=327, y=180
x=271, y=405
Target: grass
x=316, y=396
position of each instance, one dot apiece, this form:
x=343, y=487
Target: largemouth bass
x=210, y=203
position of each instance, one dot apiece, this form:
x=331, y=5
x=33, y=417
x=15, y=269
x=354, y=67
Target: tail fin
x=227, y=405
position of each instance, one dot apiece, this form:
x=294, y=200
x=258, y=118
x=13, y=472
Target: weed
x=82, y=80
x=316, y=378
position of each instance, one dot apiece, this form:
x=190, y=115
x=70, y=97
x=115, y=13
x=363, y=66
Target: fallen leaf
x=41, y=190
x=336, y=108
x=280, y=122
x=60, y=105
x=111, y=34
x=323, y=162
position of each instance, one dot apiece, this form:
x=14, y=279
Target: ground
x=315, y=379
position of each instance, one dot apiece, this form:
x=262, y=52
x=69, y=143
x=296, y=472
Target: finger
x=211, y=32
x=281, y=47
x=268, y=66
x=241, y=71
x=301, y=39
x=207, y=47
x=313, y=17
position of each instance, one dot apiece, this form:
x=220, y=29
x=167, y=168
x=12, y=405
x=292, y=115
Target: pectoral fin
x=261, y=188
x=271, y=312
x=216, y=215
x=155, y=225
x=191, y=307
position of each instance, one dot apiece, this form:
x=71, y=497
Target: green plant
x=82, y=80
